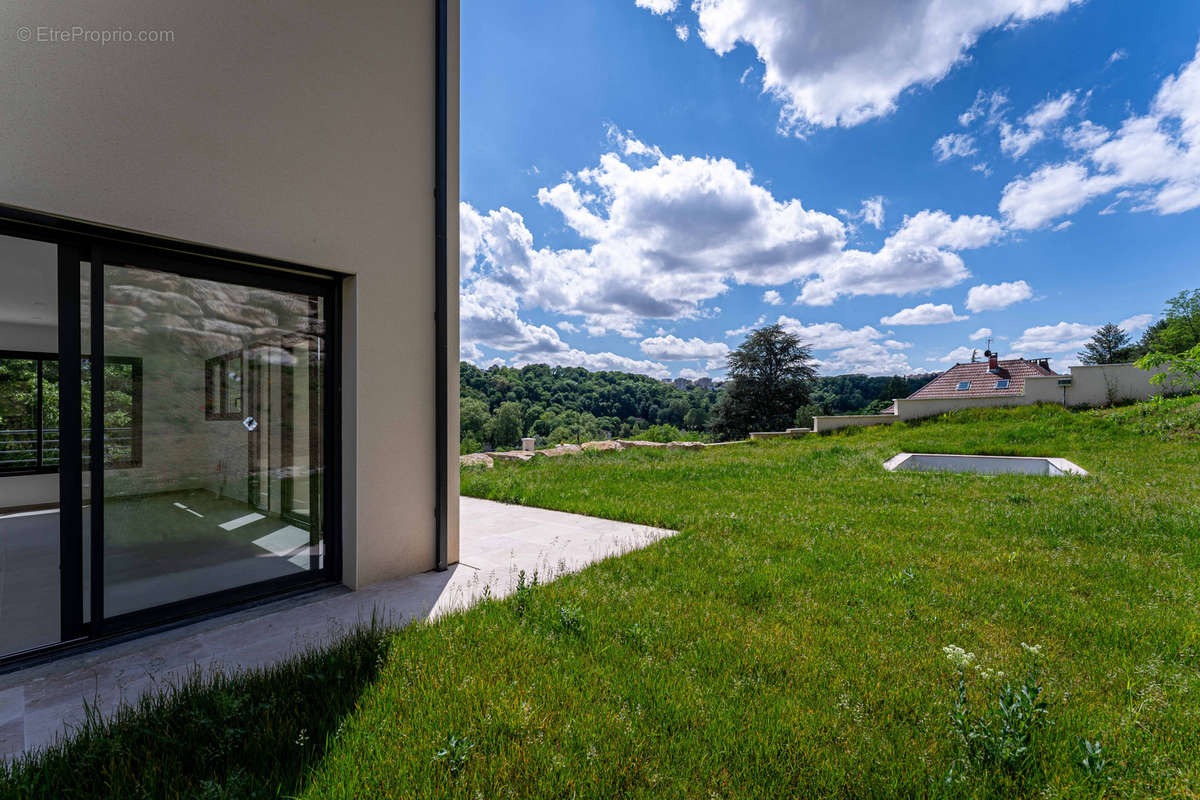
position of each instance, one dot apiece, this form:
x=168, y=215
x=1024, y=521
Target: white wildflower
x=958, y=656
x=1032, y=649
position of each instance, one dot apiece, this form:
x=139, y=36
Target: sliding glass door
x=217, y=369
x=164, y=436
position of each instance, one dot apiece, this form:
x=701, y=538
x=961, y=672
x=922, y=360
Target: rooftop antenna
x=989, y=344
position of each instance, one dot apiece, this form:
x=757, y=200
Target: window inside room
x=29, y=412
x=223, y=386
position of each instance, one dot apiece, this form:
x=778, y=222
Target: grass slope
x=789, y=642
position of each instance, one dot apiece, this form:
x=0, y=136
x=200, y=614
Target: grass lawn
x=790, y=641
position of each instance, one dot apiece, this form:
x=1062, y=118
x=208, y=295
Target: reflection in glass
x=214, y=488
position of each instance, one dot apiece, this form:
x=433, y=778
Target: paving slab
x=38, y=704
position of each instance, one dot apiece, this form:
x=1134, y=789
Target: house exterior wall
x=302, y=132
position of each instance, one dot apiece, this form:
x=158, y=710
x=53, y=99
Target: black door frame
x=87, y=246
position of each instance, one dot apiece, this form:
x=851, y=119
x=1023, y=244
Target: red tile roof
x=983, y=382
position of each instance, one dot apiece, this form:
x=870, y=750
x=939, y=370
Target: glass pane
x=29, y=518
x=18, y=414
x=200, y=498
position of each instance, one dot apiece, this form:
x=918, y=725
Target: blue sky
x=644, y=180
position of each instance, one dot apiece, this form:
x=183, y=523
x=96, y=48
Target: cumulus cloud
x=1154, y=157
x=661, y=236
x=988, y=107
x=658, y=6
x=1135, y=323
x=872, y=212
x=954, y=145
x=981, y=334
x=845, y=63
x=919, y=256
x=1069, y=337
x=772, y=298
x=1060, y=338
x=993, y=297
x=682, y=32
x=874, y=359
x=672, y=348
x=692, y=374
x=959, y=355
x=737, y=333
x=924, y=314
x=567, y=327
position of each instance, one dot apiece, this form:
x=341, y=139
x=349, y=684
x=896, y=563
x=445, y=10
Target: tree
x=473, y=419
x=1109, y=345
x=1182, y=329
x=769, y=378
x=1180, y=371
x=507, y=425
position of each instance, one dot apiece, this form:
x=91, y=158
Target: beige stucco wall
x=296, y=131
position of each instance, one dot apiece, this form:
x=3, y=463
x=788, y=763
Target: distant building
x=1008, y=382
x=978, y=379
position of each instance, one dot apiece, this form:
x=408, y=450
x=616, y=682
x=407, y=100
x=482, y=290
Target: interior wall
x=300, y=132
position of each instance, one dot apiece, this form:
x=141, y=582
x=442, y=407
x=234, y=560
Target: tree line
x=500, y=405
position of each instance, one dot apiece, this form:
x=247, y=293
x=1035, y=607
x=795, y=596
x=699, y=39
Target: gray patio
x=39, y=703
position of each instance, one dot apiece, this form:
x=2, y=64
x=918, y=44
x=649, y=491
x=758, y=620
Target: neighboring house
x=982, y=379
x=1008, y=382
x=247, y=214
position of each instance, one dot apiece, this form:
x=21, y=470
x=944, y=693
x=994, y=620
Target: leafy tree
x=1108, y=345
x=507, y=425
x=474, y=417
x=1181, y=329
x=769, y=378
x=1181, y=371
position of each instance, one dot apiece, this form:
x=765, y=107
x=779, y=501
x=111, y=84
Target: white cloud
x=954, y=145
x=924, y=314
x=746, y=329
x=772, y=298
x=993, y=297
x=1117, y=55
x=872, y=212
x=1060, y=338
x=602, y=362
x=845, y=63
x=981, y=334
x=988, y=106
x=959, y=355
x=917, y=257
x=658, y=6
x=664, y=235
x=830, y=335
x=1154, y=157
x=468, y=351
x=1050, y=111
x=692, y=374
x=1062, y=226
x=871, y=359
x=1016, y=141
x=672, y=348
x=682, y=31
x=1070, y=337
x=1135, y=323
x=1049, y=193
x=567, y=327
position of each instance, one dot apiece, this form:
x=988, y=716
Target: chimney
x=993, y=361
x=1044, y=363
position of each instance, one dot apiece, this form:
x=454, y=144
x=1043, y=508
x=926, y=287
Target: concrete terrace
x=39, y=703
